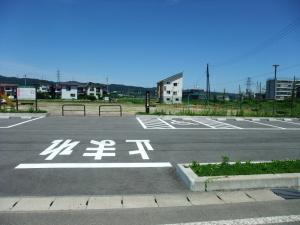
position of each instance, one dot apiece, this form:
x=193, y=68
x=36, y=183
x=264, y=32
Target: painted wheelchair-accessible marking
x=186, y=123
x=204, y=123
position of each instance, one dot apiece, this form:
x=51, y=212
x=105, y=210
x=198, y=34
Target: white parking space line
x=252, y=221
x=166, y=123
x=92, y=165
x=215, y=124
x=17, y=124
x=202, y=123
x=226, y=124
x=142, y=124
x=265, y=124
x=288, y=122
x=154, y=123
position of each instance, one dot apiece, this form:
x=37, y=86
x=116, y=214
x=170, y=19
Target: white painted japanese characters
x=104, y=148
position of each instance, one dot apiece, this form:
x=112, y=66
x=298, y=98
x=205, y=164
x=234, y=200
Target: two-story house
x=169, y=90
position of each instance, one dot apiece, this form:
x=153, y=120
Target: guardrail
x=119, y=106
x=76, y=105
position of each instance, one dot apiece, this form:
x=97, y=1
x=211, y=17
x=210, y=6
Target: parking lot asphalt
x=83, y=155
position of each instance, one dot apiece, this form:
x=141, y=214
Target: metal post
x=293, y=97
x=17, y=102
x=275, y=78
x=207, y=85
x=147, y=102
x=36, y=106
x=240, y=98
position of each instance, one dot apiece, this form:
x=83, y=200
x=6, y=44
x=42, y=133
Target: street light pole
x=275, y=78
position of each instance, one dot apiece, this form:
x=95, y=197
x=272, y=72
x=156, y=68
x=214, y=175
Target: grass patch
x=246, y=168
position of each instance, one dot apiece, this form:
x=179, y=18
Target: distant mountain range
x=120, y=88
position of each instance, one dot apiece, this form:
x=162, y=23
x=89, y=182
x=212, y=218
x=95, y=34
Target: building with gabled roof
x=169, y=90
x=9, y=90
x=69, y=90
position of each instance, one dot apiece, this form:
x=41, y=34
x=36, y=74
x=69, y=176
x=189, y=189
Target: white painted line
x=166, y=123
x=92, y=165
x=289, y=122
x=287, y=119
x=142, y=124
x=265, y=124
x=27, y=121
x=202, y=123
x=225, y=124
x=252, y=221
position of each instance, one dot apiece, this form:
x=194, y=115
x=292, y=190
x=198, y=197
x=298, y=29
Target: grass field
x=232, y=108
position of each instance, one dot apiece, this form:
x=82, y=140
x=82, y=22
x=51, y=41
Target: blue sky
x=138, y=42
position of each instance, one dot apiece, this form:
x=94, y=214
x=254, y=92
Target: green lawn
x=247, y=168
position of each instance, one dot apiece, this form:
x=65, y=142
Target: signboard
x=26, y=93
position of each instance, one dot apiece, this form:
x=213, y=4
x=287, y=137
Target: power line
x=258, y=75
x=284, y=32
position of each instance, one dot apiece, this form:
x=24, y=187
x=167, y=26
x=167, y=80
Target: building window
x=174, y=84
x=68, y=88
x=168, y=99
x=168, y=82
x=177, y=99
x=174, y=92
x=91, y=89
x=72, y=95
x=168, y=92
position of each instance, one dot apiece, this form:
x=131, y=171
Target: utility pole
x=293, y=96
x=25, y=82
x=240, y=95
x=207, y=84
x=57, y=87
x=107, y=85
x=275, y=79
x=58, y=76
x=260, y=89
x=224, y=94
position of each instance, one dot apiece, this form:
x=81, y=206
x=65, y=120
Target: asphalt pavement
x=112, y=155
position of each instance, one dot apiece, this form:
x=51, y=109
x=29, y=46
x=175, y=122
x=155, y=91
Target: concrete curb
x=240, y=182
x=22, y=115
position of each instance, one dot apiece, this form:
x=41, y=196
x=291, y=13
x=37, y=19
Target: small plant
x=225, y=160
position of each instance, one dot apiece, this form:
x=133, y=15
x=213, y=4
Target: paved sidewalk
x=13, y=204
